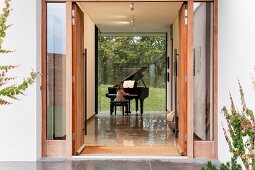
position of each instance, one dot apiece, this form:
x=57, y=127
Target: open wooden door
x=79, y=84
x=181, y=81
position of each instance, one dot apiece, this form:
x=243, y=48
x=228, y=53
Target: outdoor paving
x=147, y=164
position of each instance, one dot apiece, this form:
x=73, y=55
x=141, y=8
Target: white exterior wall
x=236, y=58
x=20, y=123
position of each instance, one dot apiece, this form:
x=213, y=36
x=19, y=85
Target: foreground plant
x=233, y=165
x=9, y=90
x=240, y=133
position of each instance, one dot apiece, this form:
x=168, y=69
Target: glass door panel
x=56, y=70
x=203, y=71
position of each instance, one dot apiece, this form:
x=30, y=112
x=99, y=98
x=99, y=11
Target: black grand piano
x=137, y=93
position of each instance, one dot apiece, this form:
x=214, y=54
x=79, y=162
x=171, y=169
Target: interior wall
x=89, y=43
x=176, y=33
x=20, y=122
x=175, y=46
x=168, y=85
x=236, y=59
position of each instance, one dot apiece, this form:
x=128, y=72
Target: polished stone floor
x=183, y=164
x=150, y=129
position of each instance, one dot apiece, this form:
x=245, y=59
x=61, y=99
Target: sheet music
x=128, y=84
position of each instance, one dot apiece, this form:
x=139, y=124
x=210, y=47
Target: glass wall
x=203, y=71
x=56, y=70
x=122, y=55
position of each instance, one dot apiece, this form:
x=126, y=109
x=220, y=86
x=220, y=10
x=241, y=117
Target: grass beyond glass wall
x=155, y=102
x=120, y=56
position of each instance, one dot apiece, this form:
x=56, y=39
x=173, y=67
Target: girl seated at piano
x=120, y=93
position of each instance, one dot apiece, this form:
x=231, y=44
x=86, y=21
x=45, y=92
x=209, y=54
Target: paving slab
x=108, y=164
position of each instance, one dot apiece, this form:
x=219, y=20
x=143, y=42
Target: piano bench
x=115, y=104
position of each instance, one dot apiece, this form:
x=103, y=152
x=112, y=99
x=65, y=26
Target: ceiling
x=116, y=16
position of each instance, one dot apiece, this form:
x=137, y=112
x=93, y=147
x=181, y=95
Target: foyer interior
x=97, y=131
x=134, y=133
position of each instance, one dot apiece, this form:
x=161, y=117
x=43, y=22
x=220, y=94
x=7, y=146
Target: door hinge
x=73, y=17
x=186, y=78
x=73, y=13
x=73, y=78
x=185, y=136
x=41, y=88
x=186, y=16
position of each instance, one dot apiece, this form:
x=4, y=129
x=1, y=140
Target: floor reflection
x=150, y=129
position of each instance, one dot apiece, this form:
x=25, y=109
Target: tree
x=120, y=54
x=9, y=90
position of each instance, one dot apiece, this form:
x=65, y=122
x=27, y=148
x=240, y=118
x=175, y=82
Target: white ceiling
x=116, y=16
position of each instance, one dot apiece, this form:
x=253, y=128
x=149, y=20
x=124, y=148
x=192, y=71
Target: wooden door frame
x=79, y=80
x=181, y=91
x=57, y=147
x=65, y=146
x=209, y=149
x=190, y=109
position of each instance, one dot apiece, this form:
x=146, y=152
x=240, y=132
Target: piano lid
x=136, y=76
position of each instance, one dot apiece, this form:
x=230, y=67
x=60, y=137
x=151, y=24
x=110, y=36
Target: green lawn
x=155, y=102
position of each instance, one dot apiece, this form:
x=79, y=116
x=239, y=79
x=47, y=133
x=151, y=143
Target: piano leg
x=136, y=105
x=141, y=106
x=129, y=111
x=111, y=107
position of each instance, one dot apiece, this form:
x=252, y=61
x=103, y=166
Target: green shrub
x=233, y=165
x=9, y=90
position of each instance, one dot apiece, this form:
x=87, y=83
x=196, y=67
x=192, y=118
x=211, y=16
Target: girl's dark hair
x=119, y=86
